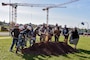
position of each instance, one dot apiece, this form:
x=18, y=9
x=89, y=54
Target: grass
x=83, y=47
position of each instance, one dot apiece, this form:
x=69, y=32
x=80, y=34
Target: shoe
x=10, y=50
x=16, y=52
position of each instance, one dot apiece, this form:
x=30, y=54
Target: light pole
x=9, y=11
x=9, y=17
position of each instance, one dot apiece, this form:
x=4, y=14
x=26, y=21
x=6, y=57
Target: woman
x=21, y=39
x=57, y=33
x=74, y=37
x=66, y=34
x=14, y=33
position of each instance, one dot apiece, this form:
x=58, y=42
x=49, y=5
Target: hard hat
x=21, y=27
x=17, y=25
x=29, y=27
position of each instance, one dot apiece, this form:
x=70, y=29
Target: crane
x=56, y=6
x=15, y=5
x=48, y=6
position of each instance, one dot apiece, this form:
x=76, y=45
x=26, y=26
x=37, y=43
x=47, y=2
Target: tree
x=1, y=23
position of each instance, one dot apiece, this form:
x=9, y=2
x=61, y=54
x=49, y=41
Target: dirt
x=49, y=48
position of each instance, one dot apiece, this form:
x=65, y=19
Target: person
x=14, y=33
x=74, y=38
x=49, y=33
x=33, y=38
x=66, y=34
x=37, y=30
x=85, y=33
x=30, y=32
x=31, y=27
x=57, y=33
x=21, y=39
x=43, y=31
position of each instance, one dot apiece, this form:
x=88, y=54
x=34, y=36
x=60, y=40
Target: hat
x=16, y=25
x=21, y=27
x=29, y=27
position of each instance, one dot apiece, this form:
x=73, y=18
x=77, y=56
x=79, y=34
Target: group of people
x=22, y=33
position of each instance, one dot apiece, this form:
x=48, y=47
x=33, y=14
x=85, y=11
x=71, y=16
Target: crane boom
x=25, y=4
x=59, y=5
x=48, y=6
x=15, y=5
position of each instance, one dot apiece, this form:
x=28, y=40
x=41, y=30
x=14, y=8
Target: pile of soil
x=49, y=48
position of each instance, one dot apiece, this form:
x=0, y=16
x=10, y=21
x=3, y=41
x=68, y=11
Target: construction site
x=36, y=39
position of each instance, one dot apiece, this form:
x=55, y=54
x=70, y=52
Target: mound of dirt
x=49, y=48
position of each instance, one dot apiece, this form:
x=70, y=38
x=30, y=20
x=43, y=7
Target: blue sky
x=72, y=16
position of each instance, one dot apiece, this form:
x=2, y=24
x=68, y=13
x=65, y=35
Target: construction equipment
x=14, y=9
x=56, y=6
x=48, y=6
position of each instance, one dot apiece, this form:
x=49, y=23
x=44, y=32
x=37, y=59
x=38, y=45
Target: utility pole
x=9, y=18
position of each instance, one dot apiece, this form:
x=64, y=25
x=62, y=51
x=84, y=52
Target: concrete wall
x=4, y=34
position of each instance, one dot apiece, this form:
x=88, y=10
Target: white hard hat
x=29, y=27
x=21, y=27
x=16, y=24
